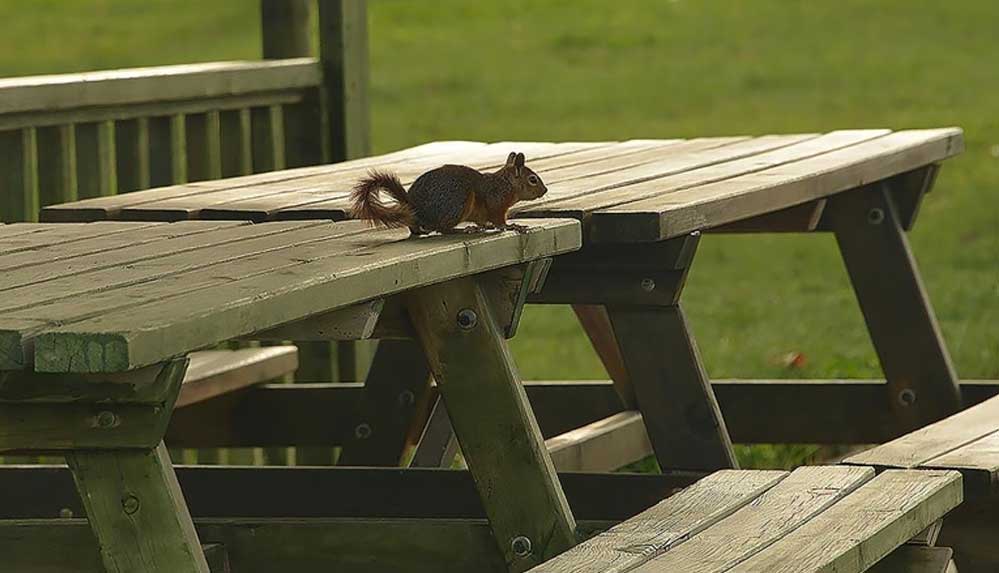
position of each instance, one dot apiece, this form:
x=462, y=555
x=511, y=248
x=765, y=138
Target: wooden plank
x=498, y=433
x=597, y=326
x=797, y=219
x=137, y=511
x=324, y=282
x=132, y=146
x=154, y=84
x=667, y=525
x=860, y=530
x=934, y=440
x=167, y=160
x=235, y=142
x=95, y=159
x=672, y=390
x=437, y=445
x=356, y=322
x=213, y=373
x=267, y=129
x=204, y=146
x=605, y=445
x=399, y=375
x=978, y=462
x=57, y=181
x=53, y=235
x=895, y=306
x=909, y=559
x=791, y=504
x=19, y=165
x=343, y=56
x=671, y=214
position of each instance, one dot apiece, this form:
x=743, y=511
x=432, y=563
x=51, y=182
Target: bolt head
x=66, y=513
x=467, y=319
x=406, y=398
x=907, y=397
x=130, y=504
x=363, y=431
x=106, y=419
x=521, y=546
x=648, y=285
x=876, y=216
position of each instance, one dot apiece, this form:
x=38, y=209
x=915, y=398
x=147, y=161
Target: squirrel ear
x=510, y=159
x=519, y=160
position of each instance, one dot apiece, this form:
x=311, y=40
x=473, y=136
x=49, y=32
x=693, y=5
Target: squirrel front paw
x=516, y=227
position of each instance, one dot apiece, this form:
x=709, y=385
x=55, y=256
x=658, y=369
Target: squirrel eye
x=533, y=179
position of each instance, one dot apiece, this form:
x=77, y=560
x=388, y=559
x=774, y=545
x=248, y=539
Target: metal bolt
x=467, y=319
x=648, y=285
x=907, y=397
x=106, y=419
x=66, y=513
x=406, y=398
x=876, y=216
x=521, y=546
x=130, y=504
x=363, y=431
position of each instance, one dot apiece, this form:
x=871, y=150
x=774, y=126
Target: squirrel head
x=526, y=183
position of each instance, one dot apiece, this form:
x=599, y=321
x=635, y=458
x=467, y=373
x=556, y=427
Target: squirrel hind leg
x=416, y=231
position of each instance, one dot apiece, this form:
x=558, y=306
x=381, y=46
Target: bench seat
x=215, y=372
x=822, y=518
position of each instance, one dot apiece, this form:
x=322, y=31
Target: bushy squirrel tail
x=368, y=206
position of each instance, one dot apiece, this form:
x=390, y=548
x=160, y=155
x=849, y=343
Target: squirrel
x=443, y=197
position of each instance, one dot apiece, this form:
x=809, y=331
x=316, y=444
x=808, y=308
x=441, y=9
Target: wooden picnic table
x=637, y=209
x=643, y=205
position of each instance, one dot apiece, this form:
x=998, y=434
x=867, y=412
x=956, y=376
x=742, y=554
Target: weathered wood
x=868, y=524
x=147, y=386
x=789, y=505
x=355, y=322
x=95, y=159
x=343, y=56
x=325, y=282
x=214, y=373
x=663, y=215
x=19, y=165
x=605, y=445
x=666, y=525
x=167, y=157
x=137, y=511
x=268, y=138
x=284, y=28
x=499, y=436
x=971, y=531
x=204, y=146
x=437, y=445
x=132, y=150
x=895, y=305
x=672, y=390
x=57, y=181
x=909, y=559
x=154, y=84
x=597, y=326
x=236, y=142
x=650, y=287
x=797, y=219
x=399, y=375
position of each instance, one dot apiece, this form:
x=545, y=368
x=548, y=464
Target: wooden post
x=495, y=426
x=921, y=378
x=343, y=53
x=284, y=26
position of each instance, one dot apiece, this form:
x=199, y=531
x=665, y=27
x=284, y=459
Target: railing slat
x=236, y=142
x=203, y=147
x=133, y=154
x=306, y=136
x=19, y=176
x=268, y=138
x=167, y=150
x=57, y=164
x=95, y=160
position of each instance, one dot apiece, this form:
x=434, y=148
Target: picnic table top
x=114, y=296
x=819, y=518
x=630, y=191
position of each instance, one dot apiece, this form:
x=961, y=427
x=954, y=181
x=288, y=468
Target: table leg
x=437, y=446
x=868, y=225
x=495, y=426
x=399, y=375
x=137, y=511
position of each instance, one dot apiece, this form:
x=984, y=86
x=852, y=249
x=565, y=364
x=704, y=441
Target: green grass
x=597, y=70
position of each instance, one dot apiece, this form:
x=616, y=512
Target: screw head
x=130, y=504
x=876, y=216
x=648, y=285
x=66, y=513
x=467, y=319
x=907, y=397
x=363, y=431
x=521, y=546
x=106, y=419
x=406, y=398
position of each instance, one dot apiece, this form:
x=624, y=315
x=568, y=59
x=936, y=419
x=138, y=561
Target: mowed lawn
x=598, y=70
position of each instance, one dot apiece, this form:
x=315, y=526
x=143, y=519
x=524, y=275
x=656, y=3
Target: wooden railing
x=73, y=136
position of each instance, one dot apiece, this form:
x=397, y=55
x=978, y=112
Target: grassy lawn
x=597, y=70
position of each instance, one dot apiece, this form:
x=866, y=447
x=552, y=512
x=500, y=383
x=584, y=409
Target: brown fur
x=368, y=206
